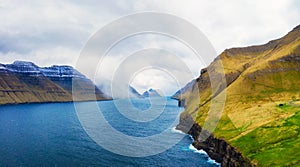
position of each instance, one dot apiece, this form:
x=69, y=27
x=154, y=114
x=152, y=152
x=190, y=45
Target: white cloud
x=182, y=64
x=233, y=23
x=54, y=32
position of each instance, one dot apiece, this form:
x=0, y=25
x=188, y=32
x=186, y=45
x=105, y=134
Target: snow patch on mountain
x=34, y=70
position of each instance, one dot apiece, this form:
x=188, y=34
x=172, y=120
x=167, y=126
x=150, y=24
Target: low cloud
x=54, y=32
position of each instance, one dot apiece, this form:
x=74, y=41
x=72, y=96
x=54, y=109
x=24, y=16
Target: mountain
x=134, y=93
x=260, y=121
x=177, y=95
x=122, y=90
x=183, y=90
x=151, y=93
x=25, y=82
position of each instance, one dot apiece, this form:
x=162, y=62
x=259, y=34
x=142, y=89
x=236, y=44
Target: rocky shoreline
x=217, y=148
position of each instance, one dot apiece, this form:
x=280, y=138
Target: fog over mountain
x=54, y=32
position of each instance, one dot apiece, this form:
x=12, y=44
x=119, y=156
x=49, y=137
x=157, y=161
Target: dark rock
x=181, y=103
x=297, y=28
x=217, y=148
x=204, y=70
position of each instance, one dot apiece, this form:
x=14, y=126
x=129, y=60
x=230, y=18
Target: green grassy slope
x=16, y=88
x=259, y=78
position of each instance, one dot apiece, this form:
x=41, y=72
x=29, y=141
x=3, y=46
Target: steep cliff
x=25, y=82
x=262, y=88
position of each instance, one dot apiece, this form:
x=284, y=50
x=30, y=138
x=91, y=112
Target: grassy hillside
x=262, y=113
x=17, y=88
x=23, y=82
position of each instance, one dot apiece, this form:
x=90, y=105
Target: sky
x=52, y=32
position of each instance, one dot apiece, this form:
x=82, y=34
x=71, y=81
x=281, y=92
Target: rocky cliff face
x=258, y=79
x=25, y=82
x=217, y=148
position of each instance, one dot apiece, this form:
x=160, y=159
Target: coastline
x=193, y=148
x=49, y=102
x=217, y=149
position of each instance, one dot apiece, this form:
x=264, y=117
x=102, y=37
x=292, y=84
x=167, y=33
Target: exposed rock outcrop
x=217, y=148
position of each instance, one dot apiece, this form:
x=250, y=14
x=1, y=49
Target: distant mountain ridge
x=31, y=69
x=25, y=82
x=151, y=93
x=134, y=93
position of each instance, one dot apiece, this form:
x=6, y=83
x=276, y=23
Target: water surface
x=51, y=135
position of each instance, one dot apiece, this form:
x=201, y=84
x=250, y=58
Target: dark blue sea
x=51, y=134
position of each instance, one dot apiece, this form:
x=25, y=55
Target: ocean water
x=52, y=135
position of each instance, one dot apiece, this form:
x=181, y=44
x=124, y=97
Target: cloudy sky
x=55, y=31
